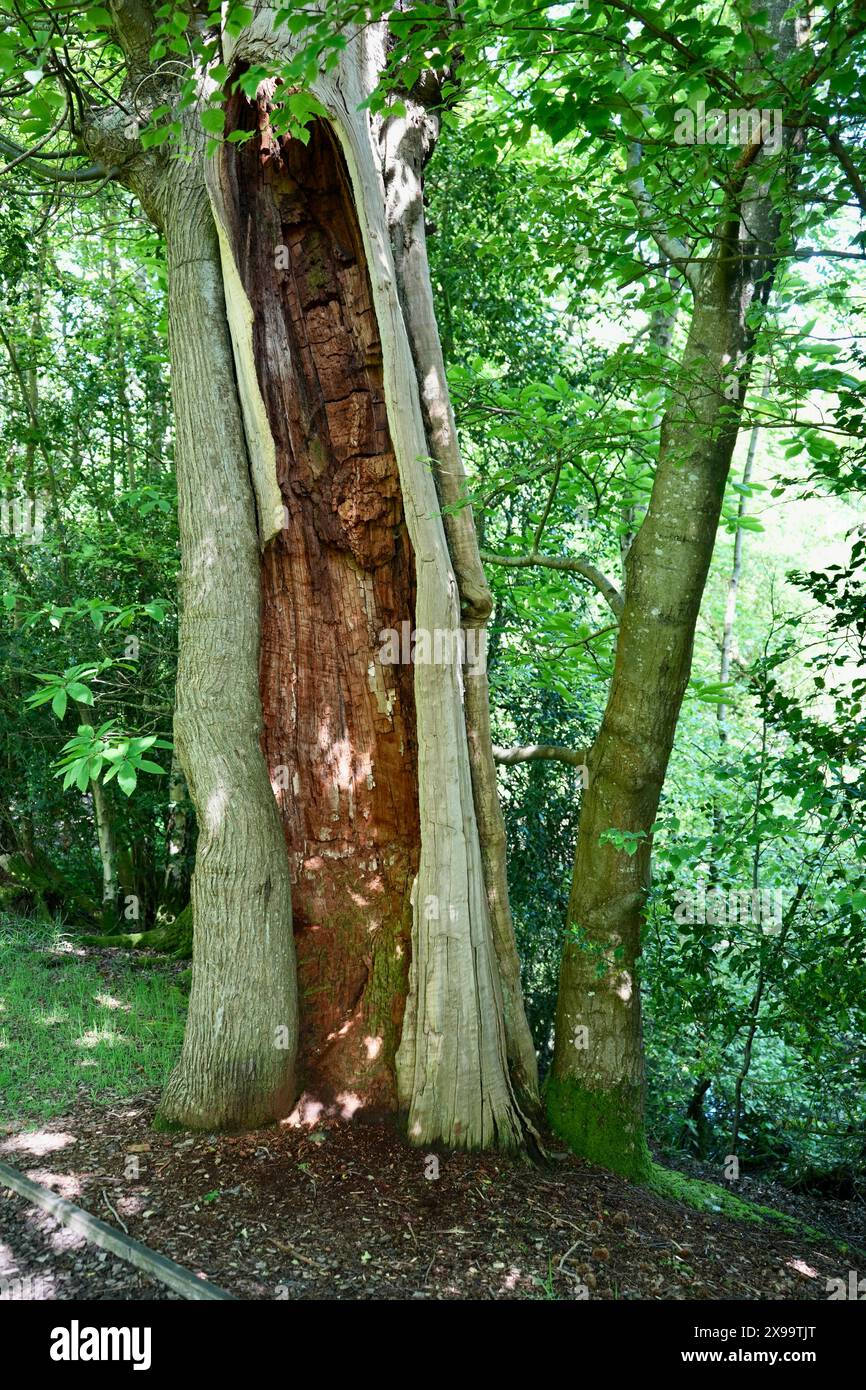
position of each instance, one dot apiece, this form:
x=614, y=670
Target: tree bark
x=595, y=1089
x=105, y=839
x=107, y=852
x=237, y=1066
x=451, y=1064
x=300, y=434
x=407, y=143
x=339, y=730
x=177, y=838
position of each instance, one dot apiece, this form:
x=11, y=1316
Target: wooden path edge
x=183, y=1281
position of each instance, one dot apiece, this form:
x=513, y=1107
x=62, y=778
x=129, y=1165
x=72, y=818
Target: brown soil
x=348, y=1210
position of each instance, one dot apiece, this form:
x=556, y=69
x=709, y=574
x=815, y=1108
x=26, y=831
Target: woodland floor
x=343, y=1210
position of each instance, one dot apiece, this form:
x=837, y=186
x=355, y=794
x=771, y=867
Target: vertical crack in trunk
x=339, y=726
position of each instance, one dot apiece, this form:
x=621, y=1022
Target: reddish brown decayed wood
x=339, y=728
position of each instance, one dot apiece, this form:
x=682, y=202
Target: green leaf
x=213, y=120
x=126, y=778
x=155, y=136
x=237, y=19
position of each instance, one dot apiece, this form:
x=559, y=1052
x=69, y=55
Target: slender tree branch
x=90, y=174
x=676, y=251
x=582, y=566
x=843, y=155
x=539, y=752
x=536, y=540
x=43, y=140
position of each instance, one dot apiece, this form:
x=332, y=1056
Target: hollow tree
x=346, y=804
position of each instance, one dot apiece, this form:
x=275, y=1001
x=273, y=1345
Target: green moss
x=711, y=1197
x=604, y=1127
x=388, y=983
x=703, y=1196
x=164, y=1126
x=175, y=938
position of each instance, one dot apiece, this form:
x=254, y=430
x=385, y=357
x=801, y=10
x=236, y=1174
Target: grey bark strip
x=406, y=143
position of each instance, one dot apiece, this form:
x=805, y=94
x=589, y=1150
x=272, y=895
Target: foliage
x=563, y=309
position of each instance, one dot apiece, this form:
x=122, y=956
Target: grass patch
x=65, y=1026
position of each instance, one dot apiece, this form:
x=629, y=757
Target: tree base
x=604, y=1127
x=175, y=938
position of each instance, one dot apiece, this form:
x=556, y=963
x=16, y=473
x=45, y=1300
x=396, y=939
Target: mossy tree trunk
x=595, y=1088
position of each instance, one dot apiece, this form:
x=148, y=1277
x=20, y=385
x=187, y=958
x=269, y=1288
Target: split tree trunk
x=317, y=406
x=339, y=728
x=360, y=499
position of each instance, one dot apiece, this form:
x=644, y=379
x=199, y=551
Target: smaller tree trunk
x=177, y=835
x=595, y=1088
x=105, y=839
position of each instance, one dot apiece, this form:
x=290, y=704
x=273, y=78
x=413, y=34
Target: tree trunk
x=371, y=786
x=107, y=852
x=407, y=142
x=595, y=1089
x=177, y=839
x=339, y=731
x=238, y=1058
x=451, y=1064
x=695, y=1131
x=105, y=839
